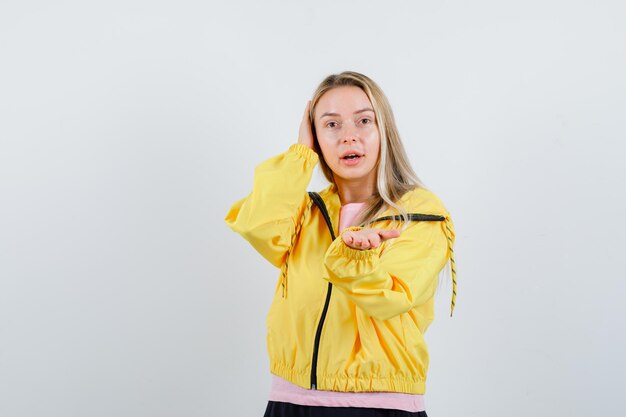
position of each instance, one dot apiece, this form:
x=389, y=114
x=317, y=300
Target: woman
x=345, y=328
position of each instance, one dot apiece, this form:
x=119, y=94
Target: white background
x=128, y=128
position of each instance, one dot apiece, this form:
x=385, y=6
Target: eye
x=331, y=124
x=366, y=121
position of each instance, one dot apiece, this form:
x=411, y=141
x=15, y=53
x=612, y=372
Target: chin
x=353, y=175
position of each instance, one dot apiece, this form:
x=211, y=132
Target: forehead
x=345, y=99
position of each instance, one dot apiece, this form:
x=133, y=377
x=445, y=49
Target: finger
x=389, y=234
x=363, y=243
x=349, y=237
x=374, y=239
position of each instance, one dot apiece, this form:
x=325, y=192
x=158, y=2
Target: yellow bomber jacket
x=343, y=319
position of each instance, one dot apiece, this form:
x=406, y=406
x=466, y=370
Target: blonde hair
x=395, y=176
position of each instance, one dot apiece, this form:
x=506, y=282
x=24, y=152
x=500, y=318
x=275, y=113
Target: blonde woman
x=359, y=261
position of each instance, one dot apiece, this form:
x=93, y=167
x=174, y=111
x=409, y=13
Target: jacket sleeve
x=268, y=215
x=387, y=282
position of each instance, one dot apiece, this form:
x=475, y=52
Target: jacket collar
x=419, y=200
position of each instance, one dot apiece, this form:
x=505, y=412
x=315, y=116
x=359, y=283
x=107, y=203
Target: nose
x=349, y=135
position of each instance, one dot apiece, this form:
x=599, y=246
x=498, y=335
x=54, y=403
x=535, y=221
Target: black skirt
x=281, y=409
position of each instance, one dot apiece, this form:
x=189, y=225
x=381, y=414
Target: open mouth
x=352, y=159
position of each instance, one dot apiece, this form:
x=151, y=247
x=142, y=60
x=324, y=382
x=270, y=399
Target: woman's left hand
x=368, y=238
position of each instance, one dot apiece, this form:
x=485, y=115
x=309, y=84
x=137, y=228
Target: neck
x=354, y=190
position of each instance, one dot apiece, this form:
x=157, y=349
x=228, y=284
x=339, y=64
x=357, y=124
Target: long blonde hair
x=395, y=176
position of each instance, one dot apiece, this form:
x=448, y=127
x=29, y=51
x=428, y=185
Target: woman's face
x=345, y=124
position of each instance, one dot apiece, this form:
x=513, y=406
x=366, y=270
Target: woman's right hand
x=305, y=136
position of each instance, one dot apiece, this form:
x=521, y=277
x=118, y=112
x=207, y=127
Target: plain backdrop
x=128, y=128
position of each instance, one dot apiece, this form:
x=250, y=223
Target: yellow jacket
x=343, y=319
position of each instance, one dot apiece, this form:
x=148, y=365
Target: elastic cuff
x=304, y=151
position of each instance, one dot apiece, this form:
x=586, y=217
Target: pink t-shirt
x=284, y=391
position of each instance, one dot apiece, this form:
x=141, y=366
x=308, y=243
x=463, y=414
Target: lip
x=346, y=153
x=351, y=162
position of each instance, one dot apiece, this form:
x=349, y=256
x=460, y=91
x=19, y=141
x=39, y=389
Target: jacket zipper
x=318, y=335
x=329, y=289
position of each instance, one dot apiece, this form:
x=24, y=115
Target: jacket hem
x=346, y=383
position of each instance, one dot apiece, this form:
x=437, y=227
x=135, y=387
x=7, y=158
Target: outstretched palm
x=368, y=238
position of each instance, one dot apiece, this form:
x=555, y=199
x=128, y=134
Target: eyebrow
x=337, y=114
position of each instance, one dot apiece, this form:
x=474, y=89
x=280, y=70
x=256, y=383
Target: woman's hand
x=368, y=238
x=305, y=136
